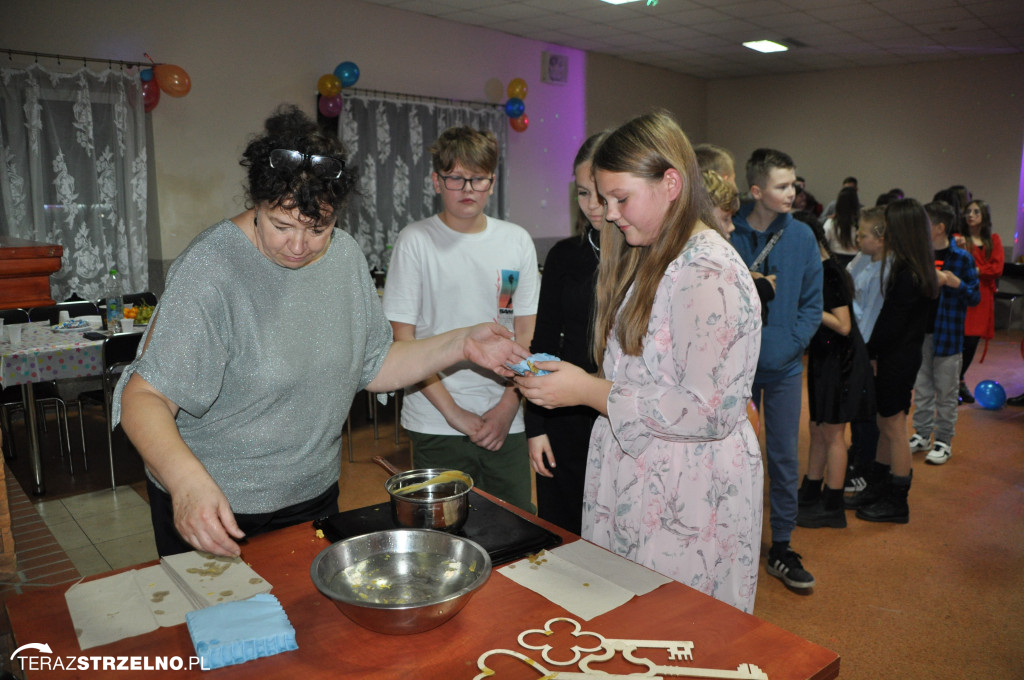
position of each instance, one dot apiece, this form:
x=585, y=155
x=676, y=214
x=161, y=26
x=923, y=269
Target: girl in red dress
x=987, y=249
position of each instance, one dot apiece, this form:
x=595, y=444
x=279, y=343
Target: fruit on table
x=143, y=313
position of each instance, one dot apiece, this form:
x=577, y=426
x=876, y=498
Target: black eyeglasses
x=972, y=211
x=322, y=166
x=456, y=183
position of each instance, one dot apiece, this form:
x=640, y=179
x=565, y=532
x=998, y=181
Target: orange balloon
x=517, y=88
x=519, y=124
x=328, y=85
x=172, y=79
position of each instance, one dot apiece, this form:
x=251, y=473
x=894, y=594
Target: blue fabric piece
x=236, y=632
x=526, y=365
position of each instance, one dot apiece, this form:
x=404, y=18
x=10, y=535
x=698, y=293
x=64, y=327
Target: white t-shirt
x=440, y=279
x=832, y=237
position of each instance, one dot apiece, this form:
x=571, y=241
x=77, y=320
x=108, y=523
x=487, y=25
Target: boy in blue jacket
x=938, y=379
x=770, y=241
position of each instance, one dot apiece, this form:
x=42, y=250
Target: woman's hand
x=566, y=385
x=541, y=453
x=204, y=519
x=202, y=514
x=490, y=345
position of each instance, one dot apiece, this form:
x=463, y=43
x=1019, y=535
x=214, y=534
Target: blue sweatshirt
x=795, y=313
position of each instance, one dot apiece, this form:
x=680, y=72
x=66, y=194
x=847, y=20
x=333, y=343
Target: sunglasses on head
x=322, y=166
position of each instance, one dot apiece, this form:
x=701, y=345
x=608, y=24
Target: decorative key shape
x=678, y=651
x=486, y=672
x=603, y=649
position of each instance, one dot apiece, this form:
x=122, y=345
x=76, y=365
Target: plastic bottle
x=115, y=300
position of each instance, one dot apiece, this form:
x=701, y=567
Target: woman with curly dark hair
x=269, y=325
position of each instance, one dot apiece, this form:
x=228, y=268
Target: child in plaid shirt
x=938, y=380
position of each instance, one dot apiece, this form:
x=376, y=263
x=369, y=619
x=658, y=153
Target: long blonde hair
x=644, y=147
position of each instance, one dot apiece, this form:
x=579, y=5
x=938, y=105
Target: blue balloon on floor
x=990, y=394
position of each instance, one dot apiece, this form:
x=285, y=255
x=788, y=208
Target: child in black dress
x=911, y=294
x=840, y=390
x=558, y=439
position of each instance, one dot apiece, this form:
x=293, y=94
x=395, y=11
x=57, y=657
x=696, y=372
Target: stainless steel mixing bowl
x=401, y=581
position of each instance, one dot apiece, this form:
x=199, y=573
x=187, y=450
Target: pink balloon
x=150, y=95
x=330, y=107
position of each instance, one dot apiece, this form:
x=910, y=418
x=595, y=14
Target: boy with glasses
x=461, y=264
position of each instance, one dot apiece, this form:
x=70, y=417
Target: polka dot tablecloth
x=44, y=355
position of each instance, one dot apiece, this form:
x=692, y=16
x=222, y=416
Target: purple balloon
x=330, y=107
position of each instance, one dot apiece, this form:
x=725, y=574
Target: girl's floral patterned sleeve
x=693, y=380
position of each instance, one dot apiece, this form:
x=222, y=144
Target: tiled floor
x=101, y=530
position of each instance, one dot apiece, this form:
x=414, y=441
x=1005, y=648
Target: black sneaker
x=965, y=394
x=787, y=566
x=854, y=481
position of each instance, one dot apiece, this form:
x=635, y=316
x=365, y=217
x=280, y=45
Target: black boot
x=829, y=511
x=893, y=507
x=965, y=394
x=810, y=492
x=877, y=479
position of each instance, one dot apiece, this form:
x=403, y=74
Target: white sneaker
x=919, y=443
x=939, y=454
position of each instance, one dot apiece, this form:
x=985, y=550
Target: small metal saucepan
x=428, y=498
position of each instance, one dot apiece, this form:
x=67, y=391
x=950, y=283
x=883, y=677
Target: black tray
x=503, y=534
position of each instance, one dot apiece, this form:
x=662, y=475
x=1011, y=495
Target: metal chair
x=45, y=393
x=10, y=397
x=118, y=351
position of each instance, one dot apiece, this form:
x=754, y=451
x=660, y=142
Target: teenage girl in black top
x=558, y=439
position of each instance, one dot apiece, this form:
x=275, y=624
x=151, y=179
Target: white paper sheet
x=581, y=592
x=617, y=569
x=108, y=610
x=163, y=596
x=208, y=579
x=583, y=578
x=139, y=601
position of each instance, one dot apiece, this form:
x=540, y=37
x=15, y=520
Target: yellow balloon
x=328, y=85
x=517, y=88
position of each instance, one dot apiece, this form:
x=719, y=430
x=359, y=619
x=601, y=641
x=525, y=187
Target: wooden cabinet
x=25, y=268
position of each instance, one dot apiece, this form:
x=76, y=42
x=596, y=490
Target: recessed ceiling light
x=765, y=46
x=619, y=2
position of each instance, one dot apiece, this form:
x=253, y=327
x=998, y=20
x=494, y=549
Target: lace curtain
x=388, y=140
x=73, y=153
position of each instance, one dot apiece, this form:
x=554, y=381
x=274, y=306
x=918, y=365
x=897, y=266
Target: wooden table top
x=332, y=646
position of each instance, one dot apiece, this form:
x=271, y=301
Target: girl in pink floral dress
x=674, y=475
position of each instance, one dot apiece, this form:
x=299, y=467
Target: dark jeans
x=169, y=542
